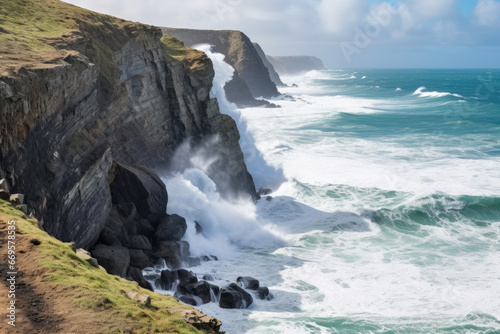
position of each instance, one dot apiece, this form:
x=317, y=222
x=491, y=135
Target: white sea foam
x=420, y=92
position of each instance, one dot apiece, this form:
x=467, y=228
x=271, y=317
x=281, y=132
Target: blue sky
x=343, y=33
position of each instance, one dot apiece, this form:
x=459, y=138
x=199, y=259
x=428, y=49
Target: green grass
x=93, y=288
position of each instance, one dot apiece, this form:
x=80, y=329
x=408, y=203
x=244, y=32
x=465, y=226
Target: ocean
x=385, y=215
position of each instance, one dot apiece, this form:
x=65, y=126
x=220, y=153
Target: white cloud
x=487, y=13
x=339, y=17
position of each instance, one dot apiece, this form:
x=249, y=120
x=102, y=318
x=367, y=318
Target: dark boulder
x=171, y=228
x=140, y=186
x=168, y=279
x=264, y=191
x=248, y=282
x=190, y=300
x=4, y=195
x=203, y=290
x=114, y=259
x=139, y=259
x=263, y=293
x=172, y=252
x=208, y=277
x=109, y=237
x=138, y=242
x=135, y=274
x=144, y=227
x=234, y=297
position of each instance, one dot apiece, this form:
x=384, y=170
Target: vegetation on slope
x=77, y=296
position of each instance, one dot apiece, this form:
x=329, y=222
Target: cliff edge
x=240, y=53
x=81, y=90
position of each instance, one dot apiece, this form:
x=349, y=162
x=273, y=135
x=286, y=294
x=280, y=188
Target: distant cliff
x=240, y=54
x=270, y=68
x=295, y=64
x=79, y=90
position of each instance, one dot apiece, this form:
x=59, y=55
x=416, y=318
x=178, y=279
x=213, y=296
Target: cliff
x=295, y=64
x=57, y=291
x=80, y=90
x=240, y=54
x=270, y=68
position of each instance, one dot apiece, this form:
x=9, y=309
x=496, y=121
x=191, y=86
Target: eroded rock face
x=240, y=54
x=111, y=94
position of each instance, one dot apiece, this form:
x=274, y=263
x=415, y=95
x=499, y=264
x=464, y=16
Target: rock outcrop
x=241, y=54
x=101, y=89
x=272, y=72
x=291, y=65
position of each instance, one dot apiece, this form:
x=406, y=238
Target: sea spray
x=264, y=175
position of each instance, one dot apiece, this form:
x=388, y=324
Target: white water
x=324, y=257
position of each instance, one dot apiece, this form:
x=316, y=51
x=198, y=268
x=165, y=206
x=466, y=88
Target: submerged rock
x=263, y=293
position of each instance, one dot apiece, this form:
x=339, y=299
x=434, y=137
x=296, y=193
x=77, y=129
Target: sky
x=343, y=33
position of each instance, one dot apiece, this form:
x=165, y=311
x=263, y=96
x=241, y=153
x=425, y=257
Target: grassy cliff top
x=38, y=33
x=57, y=292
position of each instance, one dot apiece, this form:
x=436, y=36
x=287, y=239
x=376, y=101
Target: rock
x=248, y=282
x=109, y=237
x=172, y=252
x=269, y=198
x=17, y=199
x=4, y=185
x=139, y=259
x=135, y=274
x=208, y=277
x=23, y=208
x=171, y=228
x=201, y=321
x=234, y=297
x=140, y=186
x=85, y=255
x=198, y=227
x=144, y=227
x=263, y=293
x=4, y=195
x=272, y=73
x=202, y=290
x=190, y=300
x=71, y=245
x=115, y=259
x=138, y=242
x=168, y=279
x=264, y=191
x=141, y=298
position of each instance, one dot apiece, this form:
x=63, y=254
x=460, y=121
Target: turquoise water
x=389, y=218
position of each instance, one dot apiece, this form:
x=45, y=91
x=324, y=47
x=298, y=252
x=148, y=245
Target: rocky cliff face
x=96, y=90
x=240, y=54
x=291, y=65
x=272, y=73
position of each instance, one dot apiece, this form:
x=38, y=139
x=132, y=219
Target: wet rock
x=135, y=274
x=248, y=282
x=172, y=252
x=234, y=297
x=202, y=290
x=208, y=277
x=263, y=293
x=171, y=228
x=190, y=300
x=198, y=227
x=168, y=279
x=4, y=185
x=115, y=259
x=264, y=191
